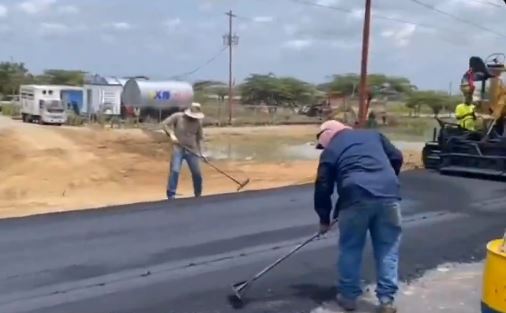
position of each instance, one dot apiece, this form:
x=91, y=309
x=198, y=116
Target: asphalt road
x=183, y=256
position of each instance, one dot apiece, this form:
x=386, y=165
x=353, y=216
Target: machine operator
x=466, y=115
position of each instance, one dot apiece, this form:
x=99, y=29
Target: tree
x=221, y=92
x=12, y=75
x=348, y=84
x=435, y=100
x=203, y=85
x=205, y=88
x=272, y=90
x=295, y=91
x=61, y=77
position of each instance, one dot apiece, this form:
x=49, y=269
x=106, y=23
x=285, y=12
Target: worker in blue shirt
x=364, y=166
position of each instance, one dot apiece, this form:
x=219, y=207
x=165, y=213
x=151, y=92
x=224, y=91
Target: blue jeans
x=383, y=220
x=178, y=155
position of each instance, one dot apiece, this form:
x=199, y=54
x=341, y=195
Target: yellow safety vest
x=464, y=114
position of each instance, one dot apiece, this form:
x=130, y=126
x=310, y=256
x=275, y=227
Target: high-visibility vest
x=464, y=114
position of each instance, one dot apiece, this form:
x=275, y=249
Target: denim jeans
x=383, y=220
x=178, y=155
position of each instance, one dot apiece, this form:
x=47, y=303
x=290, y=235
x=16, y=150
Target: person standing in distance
x=186, y=134
x=364, y=165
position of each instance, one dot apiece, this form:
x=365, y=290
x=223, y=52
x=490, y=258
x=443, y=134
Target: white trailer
x=102, y=99
x=42, y=104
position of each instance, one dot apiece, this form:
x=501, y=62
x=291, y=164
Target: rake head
x=236, y=299
x=243, y=184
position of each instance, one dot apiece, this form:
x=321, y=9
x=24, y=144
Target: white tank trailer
x=156, y=99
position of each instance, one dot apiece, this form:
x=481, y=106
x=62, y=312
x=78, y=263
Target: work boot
x=387, y=308
x=347, y=304
x=170, y=196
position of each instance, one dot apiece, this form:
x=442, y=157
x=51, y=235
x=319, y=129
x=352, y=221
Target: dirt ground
x=49, y=169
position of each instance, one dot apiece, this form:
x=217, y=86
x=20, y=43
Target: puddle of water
x=275, y=149
x=259, y=151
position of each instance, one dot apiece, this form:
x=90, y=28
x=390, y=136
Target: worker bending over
x=465, y=114
x=186, y=134
x=364, y=165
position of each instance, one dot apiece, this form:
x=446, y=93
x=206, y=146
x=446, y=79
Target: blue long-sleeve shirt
x=363, y=164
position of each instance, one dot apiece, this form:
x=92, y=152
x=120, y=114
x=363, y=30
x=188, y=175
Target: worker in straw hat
x=185, y=131
x=364, y=166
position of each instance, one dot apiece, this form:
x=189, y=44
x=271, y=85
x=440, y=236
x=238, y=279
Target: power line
x=346, y=10
x=198, y=68
x=488, y=3
x=431, y=7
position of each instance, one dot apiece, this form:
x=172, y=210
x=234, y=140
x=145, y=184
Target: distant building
x=102, y=95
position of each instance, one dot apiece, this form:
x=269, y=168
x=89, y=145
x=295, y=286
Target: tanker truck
x=156, y=99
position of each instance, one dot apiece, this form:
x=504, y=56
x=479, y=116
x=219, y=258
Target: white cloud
x=108, y=39
x=68, y=9
x=290, y=29
x=242, y=27
x=172, y=23
x=206, y=6
x=328, y=2
x=47, y=28
x=297, y=44
x=4, y=28
x=306, y=20
x=35, y=6
x=453, y=4
x=3, y=11
x=121, y=26
x=263, y=19
x=401, y=37
x=357, y=14
x=340, y=44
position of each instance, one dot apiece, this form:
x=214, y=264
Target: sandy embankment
x=50, y=169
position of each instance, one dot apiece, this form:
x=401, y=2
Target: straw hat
x=194, y=111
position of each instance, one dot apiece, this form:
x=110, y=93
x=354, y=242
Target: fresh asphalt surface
x=183, y=256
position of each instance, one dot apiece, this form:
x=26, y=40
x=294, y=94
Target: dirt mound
x=48, y=169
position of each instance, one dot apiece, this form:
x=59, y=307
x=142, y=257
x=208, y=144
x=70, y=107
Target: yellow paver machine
x=457, y=151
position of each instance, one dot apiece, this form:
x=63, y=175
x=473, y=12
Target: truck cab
x=42, y=104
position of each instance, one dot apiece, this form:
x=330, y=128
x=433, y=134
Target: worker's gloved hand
x=173, y=138
x=205, y=158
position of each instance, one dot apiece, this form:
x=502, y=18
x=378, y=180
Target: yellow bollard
x=494, y=278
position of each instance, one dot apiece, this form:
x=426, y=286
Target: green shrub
x=75, y=120
x=11, y=109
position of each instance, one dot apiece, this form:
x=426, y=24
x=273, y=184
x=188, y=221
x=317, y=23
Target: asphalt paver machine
x=457, y=151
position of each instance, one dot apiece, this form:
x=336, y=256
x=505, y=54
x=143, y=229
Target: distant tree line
x=257, y=89
x=272, y=90
x=13, y=74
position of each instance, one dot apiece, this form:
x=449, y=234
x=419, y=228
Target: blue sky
x=163, y=38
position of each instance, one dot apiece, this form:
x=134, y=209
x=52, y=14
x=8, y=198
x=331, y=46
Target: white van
x=42, y=104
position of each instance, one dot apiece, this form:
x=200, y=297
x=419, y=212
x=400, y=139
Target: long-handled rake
x=239, y=287
x=241, y=184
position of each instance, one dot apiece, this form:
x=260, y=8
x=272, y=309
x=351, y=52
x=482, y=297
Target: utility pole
x=230, y=41
x=362, y=109
x=450, y=93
